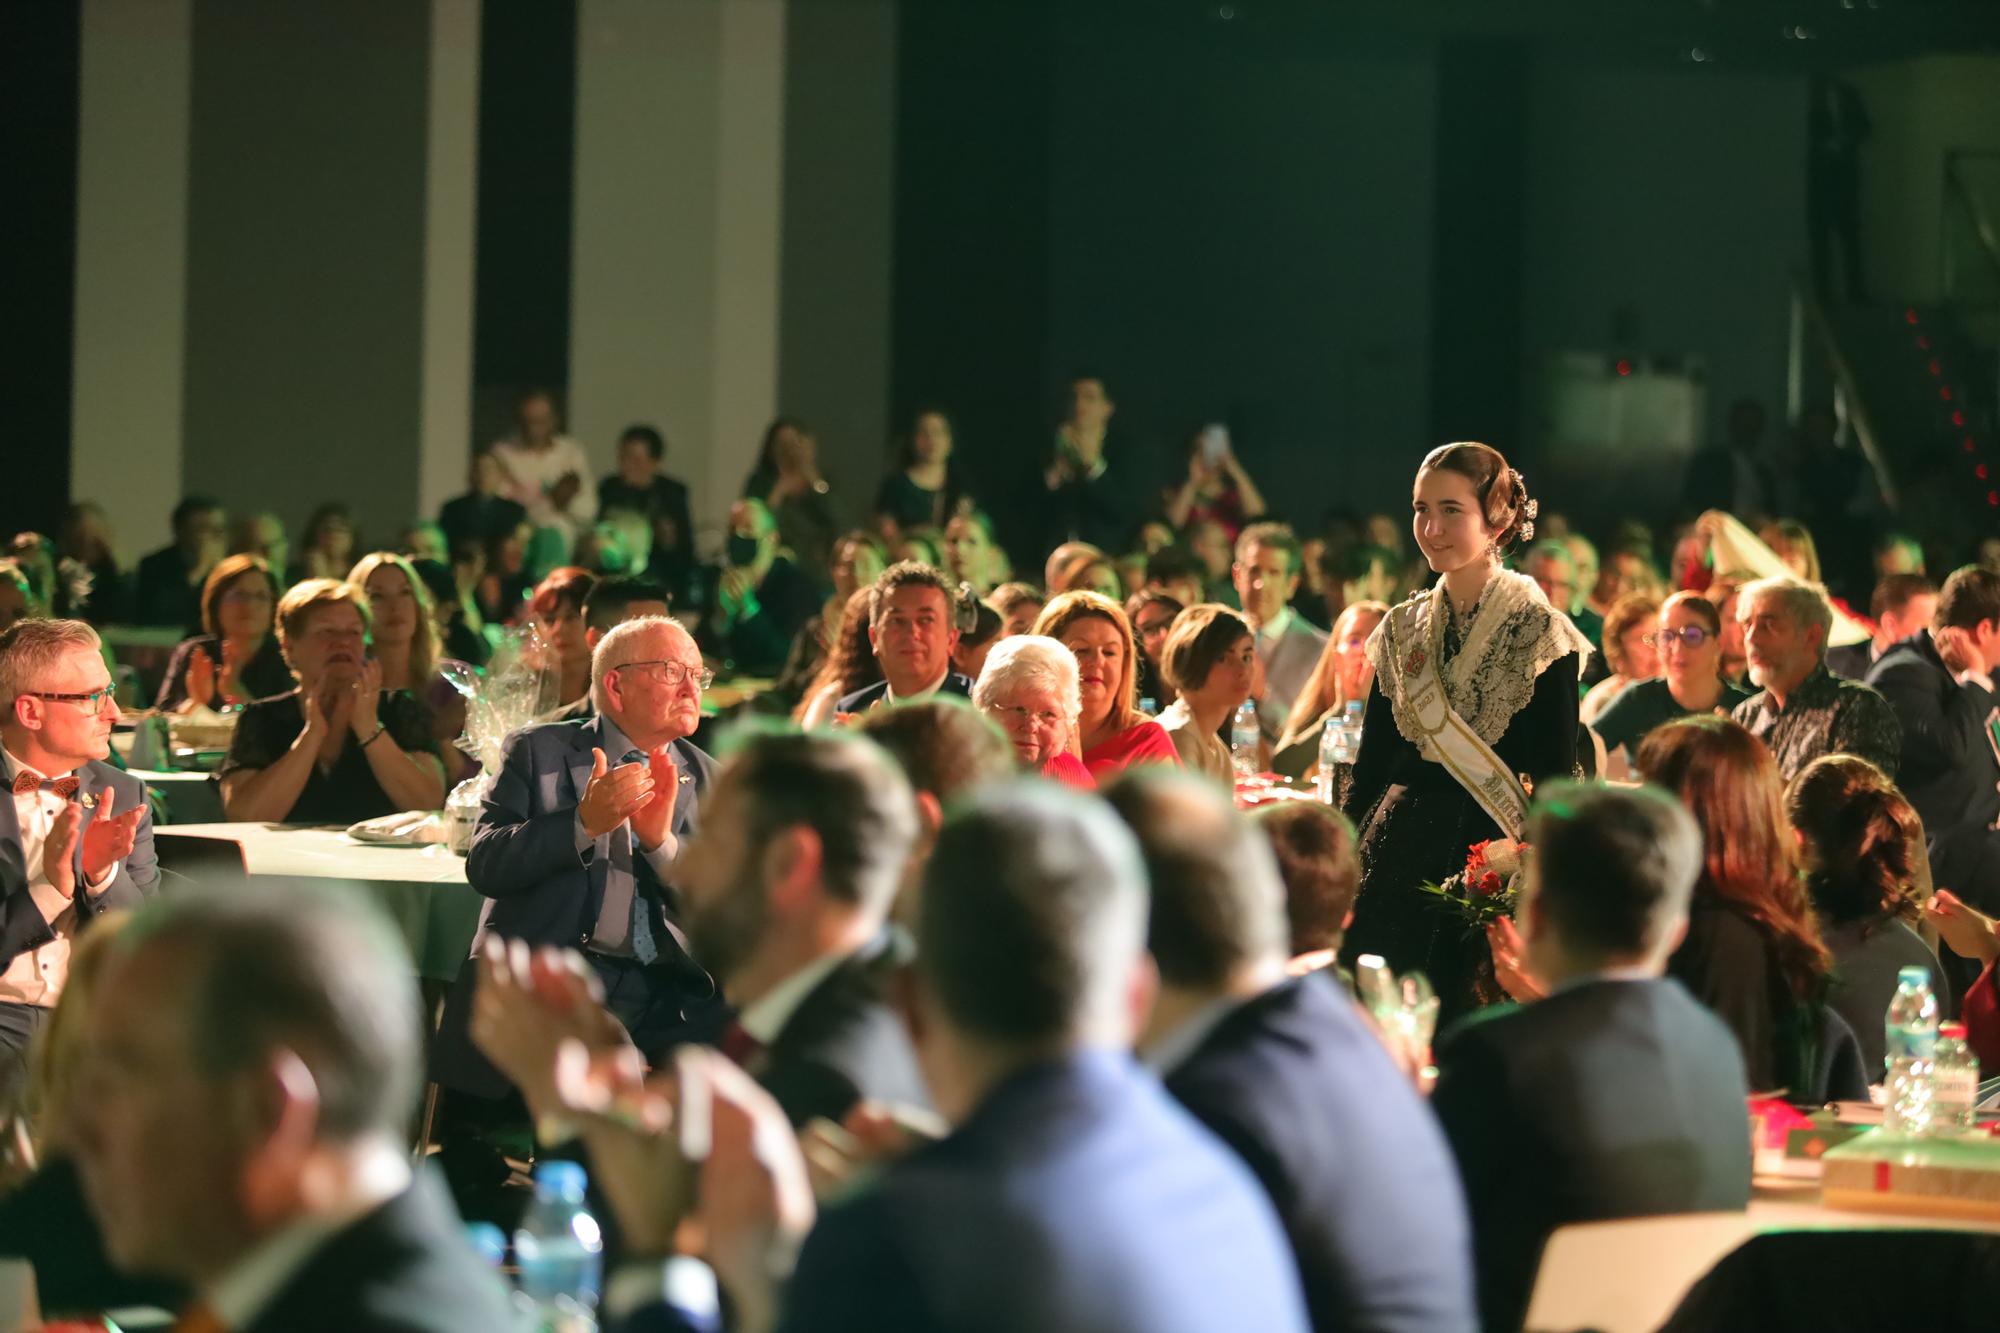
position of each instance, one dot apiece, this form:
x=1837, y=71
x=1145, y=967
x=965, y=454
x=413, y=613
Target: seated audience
x=1177, y=574
x=1029, y=688
x=405, y=644
x=921, y=546
x=1152, y=615
x=76, y=835
x=610, y=603
x=920, y=492
x=1630, y=655
x=857, y=562
x=1321, y=870
x=1266, y=574
x=761, y=597
x=850, y=666
x=1371, y=573
x=913, y=626
x=327, y=549
x=557, y=607
x=1793, y=544
x=1286, y=1071
x=578, y=839
x=1216, y=488
x=235, y=659
x=483, y=514
x=1971, y=934
x=546, y=473
x=1111, y=731
x=639, y=487
x=1687, y=636
x=1617, y=1095
x=1210, y=659
x=168, y=583
x=1941, y=684
x=1215, y=549
x=1553, y=567
x=787, y=481
x=1343, y=672
x=1017, y=1216
x=1902, y=605
x=337, y=748
x=1802, y=710
x=505, y=583
x=1862, y=847
x=84, y=542
x=252, y=1064
x=1752, y=951
x=968, y=656
x=1020, y=606
x=1064, y=558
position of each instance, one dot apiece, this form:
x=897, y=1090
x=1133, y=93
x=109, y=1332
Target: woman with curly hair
x=850, y=663
x=1753, y=951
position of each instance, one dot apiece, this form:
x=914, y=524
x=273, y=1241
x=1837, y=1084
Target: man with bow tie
x=577, y=840
x=75, y=836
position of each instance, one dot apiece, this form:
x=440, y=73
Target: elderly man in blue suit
x=577, y=840
x=75, y=836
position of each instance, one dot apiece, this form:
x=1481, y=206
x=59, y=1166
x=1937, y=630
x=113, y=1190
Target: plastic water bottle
x=1350, y=731
x=1954, y=1080
x=1910, y=1030
x=1243, y=738
x=560, y=1251
x=488, y=1242
x=1329, y=758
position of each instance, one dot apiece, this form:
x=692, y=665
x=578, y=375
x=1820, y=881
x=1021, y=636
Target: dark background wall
x=305, y=256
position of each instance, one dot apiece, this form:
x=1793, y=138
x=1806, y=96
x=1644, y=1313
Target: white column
x=674, y=268
x=131, y=264
x=450, y=228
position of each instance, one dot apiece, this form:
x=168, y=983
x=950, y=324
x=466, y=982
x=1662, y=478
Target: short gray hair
x=615, y=649
x=1034, y=662
x=31, y=647
x=1805, y=603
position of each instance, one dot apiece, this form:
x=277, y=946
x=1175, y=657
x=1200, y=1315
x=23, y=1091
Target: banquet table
x=1628, y=1276
x=191, y=795
x=422, y=889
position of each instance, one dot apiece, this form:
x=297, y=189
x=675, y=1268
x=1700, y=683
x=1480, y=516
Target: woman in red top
x=1972, y=934
x=1111, y=731
x=1028, y=686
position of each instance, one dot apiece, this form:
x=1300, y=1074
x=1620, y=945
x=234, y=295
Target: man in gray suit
x=577, y=840
x=75, y=835
x=1266, y=573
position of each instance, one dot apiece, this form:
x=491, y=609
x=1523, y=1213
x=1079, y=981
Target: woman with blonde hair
x=1343, y=673
x=1112, y=733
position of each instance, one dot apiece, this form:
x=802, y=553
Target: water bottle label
x=1954, y=1088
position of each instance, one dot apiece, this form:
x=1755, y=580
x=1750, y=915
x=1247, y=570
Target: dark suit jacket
x=866, y=698
x=524, y=858
x=843, y=1044
x=1610, y=1099
x=1362, y=1178
x=1076, y=1197
x=22, y=925
x=1949, y=770
x=404, y=1268
x=1852, y=660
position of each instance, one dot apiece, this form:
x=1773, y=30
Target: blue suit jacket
x=22, y=925
x=1077, y=1197
x=1352, y=1157
x=868, y=696
x=524, y=858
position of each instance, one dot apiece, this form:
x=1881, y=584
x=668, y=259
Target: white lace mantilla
x=1513, y=637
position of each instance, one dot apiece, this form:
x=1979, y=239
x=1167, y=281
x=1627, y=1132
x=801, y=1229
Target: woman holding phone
x=1216, y=487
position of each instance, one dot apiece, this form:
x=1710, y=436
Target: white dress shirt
x=532, y=472
x=36, y=976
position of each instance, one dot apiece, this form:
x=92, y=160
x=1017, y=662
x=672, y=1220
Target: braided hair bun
x=1503, y=495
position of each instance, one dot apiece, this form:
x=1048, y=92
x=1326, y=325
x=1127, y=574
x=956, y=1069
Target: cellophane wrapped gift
x=520, y=683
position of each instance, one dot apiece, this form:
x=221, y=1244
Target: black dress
x=347, y=794
x=1416, y=822
x=264, y=675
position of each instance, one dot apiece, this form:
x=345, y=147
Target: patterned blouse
x=1825, y=715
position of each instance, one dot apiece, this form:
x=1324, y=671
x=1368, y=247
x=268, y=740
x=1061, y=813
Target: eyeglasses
x=1694, y=636
x=1040, y=717
x=673, y=673
x=91, y=703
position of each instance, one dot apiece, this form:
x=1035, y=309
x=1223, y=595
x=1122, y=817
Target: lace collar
x=1511, y=637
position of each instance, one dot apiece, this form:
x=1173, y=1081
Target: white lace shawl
x=1513, y=637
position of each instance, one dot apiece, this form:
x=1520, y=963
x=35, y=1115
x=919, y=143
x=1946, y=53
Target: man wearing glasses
x=75, y=835
x=577, y=841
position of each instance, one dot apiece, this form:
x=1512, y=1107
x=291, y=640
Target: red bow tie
x=29, y=780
